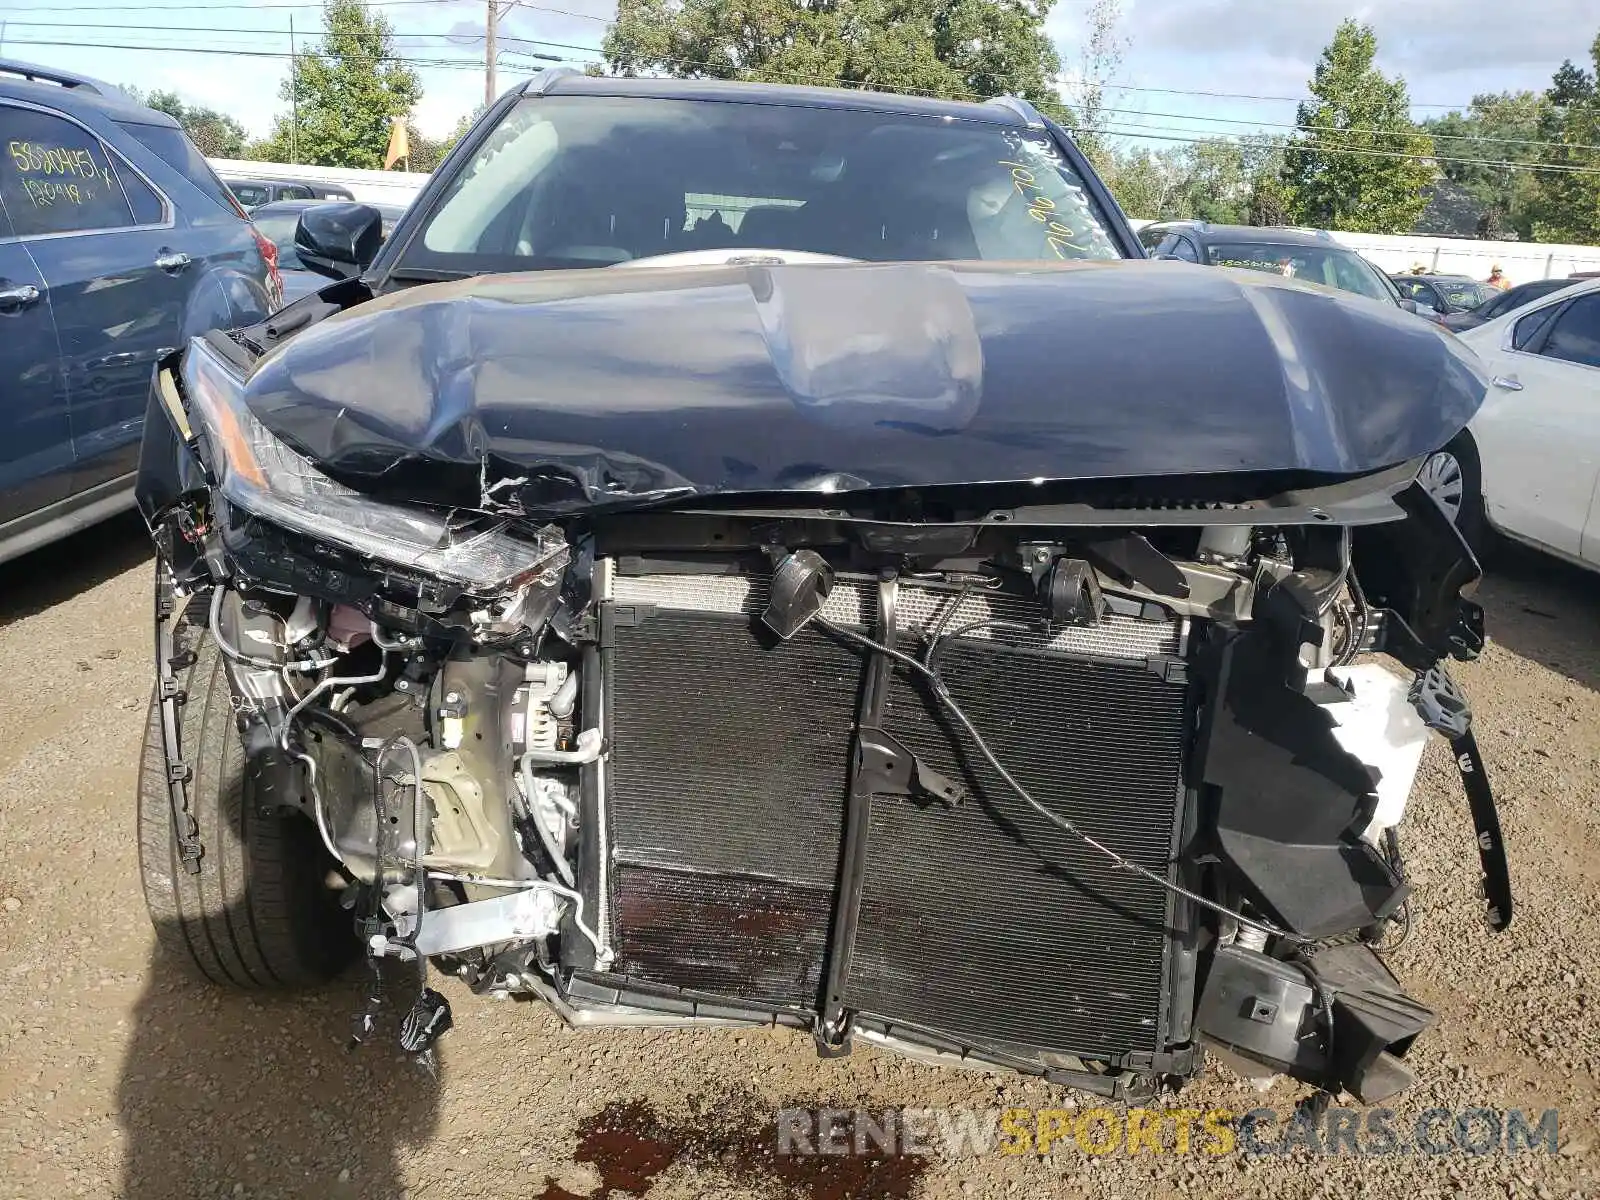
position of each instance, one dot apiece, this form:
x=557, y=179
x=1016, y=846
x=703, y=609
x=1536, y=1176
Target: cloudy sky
x=237, y=50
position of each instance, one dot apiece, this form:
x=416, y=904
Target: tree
x=1149, y=183
x=1567, y=205
x=343, y=94
x=1103, y=50
x=1501, y=128
x=1359, y=164
x=949, y=48
x=216, y=134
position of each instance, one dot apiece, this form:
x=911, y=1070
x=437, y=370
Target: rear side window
x=57, y=177
x=1531, y=326
x=173, y=147
x=1501, y=301
x=250, y=195
x=142, y=198
x=1575, y=337
x=1180, y=247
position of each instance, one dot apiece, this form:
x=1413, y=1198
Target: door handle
x=167, y=260
x=1509, y=384
x=15, y=299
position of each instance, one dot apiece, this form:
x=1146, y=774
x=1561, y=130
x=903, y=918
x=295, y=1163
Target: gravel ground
x=121, y=1076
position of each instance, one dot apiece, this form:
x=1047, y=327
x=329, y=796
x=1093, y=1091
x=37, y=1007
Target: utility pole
x=496, y=10
x=489, y=52
x=294, y=96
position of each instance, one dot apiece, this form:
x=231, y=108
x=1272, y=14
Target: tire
x=1458, y=462
x=259, y=914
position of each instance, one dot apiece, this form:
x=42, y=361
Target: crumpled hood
x=562, y=391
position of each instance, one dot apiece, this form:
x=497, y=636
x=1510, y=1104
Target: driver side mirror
x=339, y=240
x=1411, y=306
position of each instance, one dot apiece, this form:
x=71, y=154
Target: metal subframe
x=832, y=1032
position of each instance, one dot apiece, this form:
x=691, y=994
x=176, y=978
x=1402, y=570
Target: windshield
x=1328, y=265
x=1464, y=293
x=567, y=182
x=278, y=228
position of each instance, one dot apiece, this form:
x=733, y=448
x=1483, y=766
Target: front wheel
x=259, y=911
x=1454, y=479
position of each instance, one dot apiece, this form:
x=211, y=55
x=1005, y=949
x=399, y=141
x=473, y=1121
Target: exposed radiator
x=729, y=768
x=984, y=920
x=726, y=804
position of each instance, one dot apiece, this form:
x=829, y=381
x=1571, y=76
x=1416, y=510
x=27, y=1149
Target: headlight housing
x=264, y=477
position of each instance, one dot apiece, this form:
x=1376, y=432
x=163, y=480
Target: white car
x=1528, y=466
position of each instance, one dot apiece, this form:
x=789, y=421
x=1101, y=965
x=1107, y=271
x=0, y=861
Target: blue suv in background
x=117, y=244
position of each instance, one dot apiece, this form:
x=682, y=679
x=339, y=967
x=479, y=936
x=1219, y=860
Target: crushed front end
x=1070, y=778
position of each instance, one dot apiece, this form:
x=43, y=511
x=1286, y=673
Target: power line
x=1557, y=168
x=580, y=16
x=310, y=4
x=1462, y=137
x=1153, y=133
x=467, y=64
x=1128, y=87
x=166, y=29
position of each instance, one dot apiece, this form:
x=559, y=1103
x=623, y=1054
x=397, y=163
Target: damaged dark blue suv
x=761, y=555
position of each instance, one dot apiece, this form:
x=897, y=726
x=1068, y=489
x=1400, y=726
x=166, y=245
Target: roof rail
x=1029, y=114
x=65, y=79
x=545, y=80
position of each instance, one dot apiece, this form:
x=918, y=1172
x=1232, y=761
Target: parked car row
x=1310, y=255
x=1442, y=295
x=253, y=193
x=278, y=222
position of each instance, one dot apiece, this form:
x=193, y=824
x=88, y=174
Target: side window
x=295, y=191
x=249, y=195
x=1527, y=330
x=1150, y=238
x=1183, y=248
x=142, y=199
x=175, y=149
x=56, y=176
x=1575, y=336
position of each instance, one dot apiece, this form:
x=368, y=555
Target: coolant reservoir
x=1378, y=724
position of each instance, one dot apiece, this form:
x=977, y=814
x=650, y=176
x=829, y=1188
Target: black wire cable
x=942, y=694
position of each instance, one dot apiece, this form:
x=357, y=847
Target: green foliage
x=216, y=134
x=1502, y=129
x=347, y=90
x=1355, y=107
x=1566, y=207
x=958, y=49
x=1224, y=180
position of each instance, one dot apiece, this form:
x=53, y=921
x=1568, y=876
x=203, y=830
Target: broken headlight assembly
x=263, y=476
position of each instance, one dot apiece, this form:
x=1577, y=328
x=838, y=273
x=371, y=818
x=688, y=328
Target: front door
x=1539, y=429
x=35, y=431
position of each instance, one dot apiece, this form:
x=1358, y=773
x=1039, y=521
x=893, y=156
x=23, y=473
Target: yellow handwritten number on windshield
x=1042, y=209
